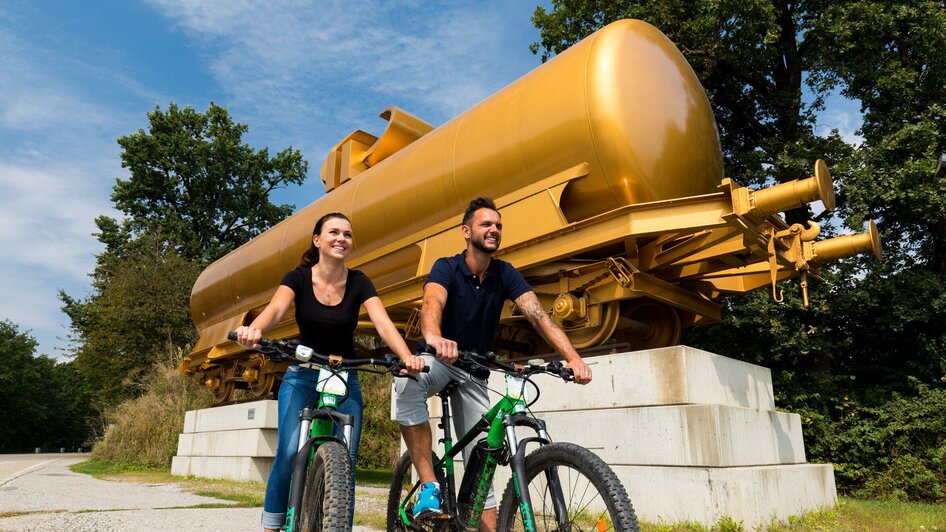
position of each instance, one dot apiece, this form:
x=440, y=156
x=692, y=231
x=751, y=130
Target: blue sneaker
x=428, y=500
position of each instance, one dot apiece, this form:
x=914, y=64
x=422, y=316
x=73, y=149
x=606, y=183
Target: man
x=463, y=300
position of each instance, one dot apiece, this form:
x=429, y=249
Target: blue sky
x=75, y=76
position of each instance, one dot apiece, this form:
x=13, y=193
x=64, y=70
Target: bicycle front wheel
x=571, y=488
x=325, y=503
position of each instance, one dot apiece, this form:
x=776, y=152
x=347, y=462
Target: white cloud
x=308, y=61
x=47, y=215
x=846, y=123
x=841, y=114
x=58, y=159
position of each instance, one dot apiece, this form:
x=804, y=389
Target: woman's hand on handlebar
x=412, y=364
x=249, y=337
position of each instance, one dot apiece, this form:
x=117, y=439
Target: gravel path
x=50, y=497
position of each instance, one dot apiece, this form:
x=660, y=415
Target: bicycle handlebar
x=289, y=350
x=488, y=360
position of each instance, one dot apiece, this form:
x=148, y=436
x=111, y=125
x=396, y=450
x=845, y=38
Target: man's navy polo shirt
x=471, y=313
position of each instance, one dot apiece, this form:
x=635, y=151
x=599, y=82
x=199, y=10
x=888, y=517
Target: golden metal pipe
x=845, y=246
x=794, y=194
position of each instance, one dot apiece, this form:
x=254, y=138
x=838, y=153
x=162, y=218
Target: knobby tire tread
x=587, y=463
x=327, y=490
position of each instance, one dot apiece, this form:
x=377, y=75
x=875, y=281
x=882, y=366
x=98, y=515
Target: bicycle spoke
x=580, y=496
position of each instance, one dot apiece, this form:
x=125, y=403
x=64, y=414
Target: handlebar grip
x=567, y=374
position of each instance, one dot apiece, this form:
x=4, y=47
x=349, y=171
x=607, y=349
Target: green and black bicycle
x=320, y=486
x=558, y=486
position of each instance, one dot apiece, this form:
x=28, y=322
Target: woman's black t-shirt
x=329, y=330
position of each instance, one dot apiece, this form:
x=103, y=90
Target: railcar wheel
x=593, y=335
x=263, y=385
x=223, y=392
x=646, y=324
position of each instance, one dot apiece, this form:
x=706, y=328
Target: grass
x=379, y=478
x=851, y=515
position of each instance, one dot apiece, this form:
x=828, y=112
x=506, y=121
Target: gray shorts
x=467, y=404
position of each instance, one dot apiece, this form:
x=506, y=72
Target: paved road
x=43, y=494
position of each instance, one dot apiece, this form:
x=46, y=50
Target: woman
x=328, y=297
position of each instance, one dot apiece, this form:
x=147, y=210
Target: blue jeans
x=298, y=389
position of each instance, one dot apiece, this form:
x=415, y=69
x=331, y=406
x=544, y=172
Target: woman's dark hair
x=311, y=256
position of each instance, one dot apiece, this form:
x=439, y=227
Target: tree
x=139, y=308
x=42, y=403
x=891, y=56
x=194, y=192
x=191, y=175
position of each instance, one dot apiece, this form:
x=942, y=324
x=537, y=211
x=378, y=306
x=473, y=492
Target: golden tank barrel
x=624, y=102
x=845, y=246
x=794, y=194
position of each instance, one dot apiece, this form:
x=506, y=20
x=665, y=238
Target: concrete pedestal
x=236, y=442
x=692, y=435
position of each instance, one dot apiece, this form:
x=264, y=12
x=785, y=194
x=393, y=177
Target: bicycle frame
x=499, y=424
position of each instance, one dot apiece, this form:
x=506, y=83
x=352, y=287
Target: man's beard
x=480, y=244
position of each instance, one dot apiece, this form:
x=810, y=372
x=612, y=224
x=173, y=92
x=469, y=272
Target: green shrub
x=908, y=478
x=144, y=431
x=380, y=435
x=895, y=450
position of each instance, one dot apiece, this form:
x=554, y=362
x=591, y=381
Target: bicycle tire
x=581, y=472
x=401, y=483
x=325, y=503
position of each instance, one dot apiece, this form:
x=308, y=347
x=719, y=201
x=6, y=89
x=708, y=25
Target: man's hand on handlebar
x=581, y=371
x=249, y=337
x=446, y=349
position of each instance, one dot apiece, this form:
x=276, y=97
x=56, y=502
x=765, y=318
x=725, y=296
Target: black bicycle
x=320, y=486
x=558, y=486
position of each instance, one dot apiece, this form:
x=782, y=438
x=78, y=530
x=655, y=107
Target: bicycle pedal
x=431, y=516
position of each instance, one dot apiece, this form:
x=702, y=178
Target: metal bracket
x=621, y=270
x=412, y=327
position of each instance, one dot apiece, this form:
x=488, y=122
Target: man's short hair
x=475, y=205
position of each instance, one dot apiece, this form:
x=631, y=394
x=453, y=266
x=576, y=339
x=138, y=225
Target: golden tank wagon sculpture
x=606, y=166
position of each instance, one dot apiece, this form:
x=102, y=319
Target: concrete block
x=241, y=468
x=666, y=376
x=756, y=496
x=247, y=442
x=255, y=415
x=683, y=435
x=190, y=421
x=680, y=435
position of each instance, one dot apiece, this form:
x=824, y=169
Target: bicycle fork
x=517, y=462
x=306, y=451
